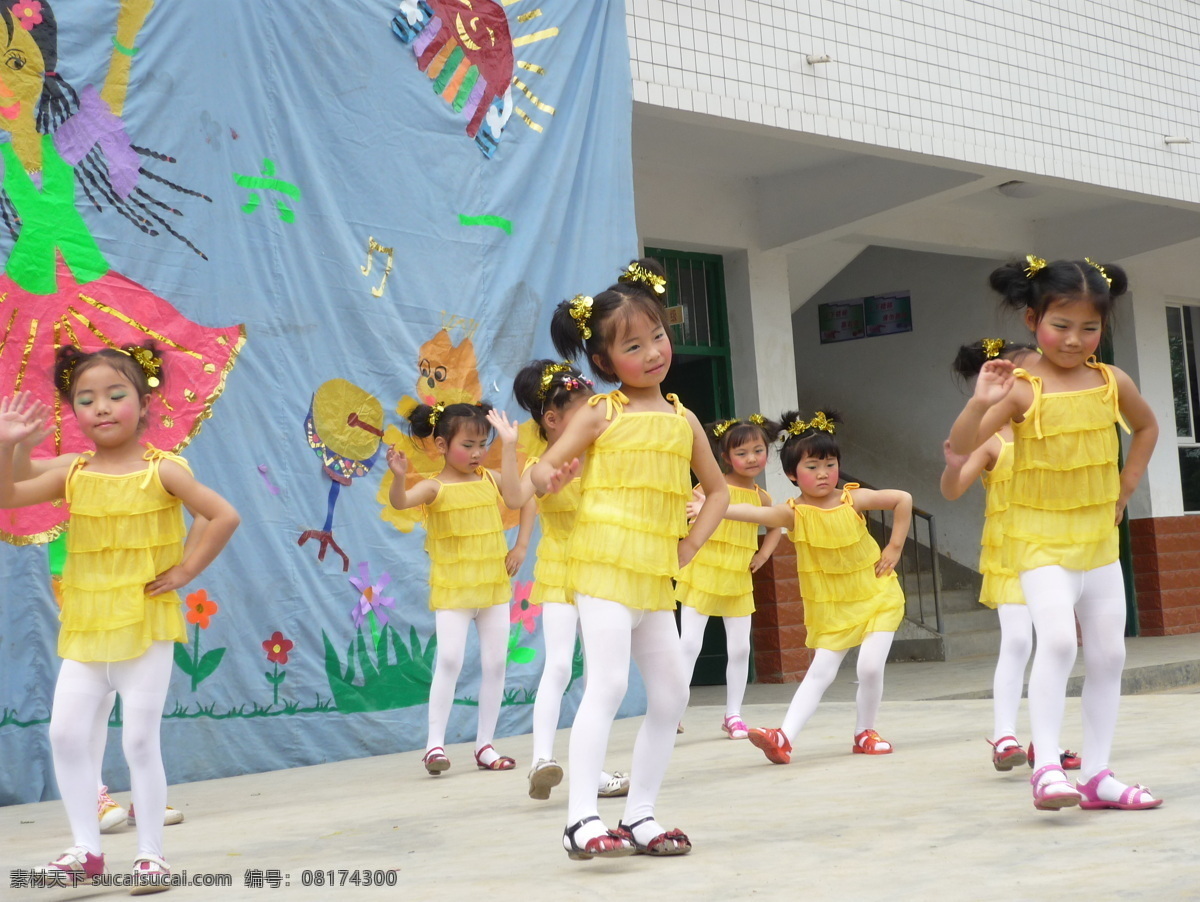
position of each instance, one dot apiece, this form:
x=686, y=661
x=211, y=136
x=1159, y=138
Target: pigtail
x=570, y=328
x=527, y=384
x=970, y=358
x=445, y=420
x=547, y=385
x=423, y=419
x=1015, y=283
x=647, y=276
x=65, y=359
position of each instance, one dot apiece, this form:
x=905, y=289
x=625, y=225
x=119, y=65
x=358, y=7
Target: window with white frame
x=1182, y=324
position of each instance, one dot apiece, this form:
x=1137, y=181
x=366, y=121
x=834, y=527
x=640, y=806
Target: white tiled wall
x=1081, y=90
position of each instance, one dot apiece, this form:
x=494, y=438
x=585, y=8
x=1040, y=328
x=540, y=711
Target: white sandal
x=150, y=875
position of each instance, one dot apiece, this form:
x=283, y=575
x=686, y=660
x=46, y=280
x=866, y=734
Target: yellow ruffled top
x=464, y=537
x=557, y=515
x=1000, y=583
x=125, y=531
x=1065, y=482
x=633, y=506
x=717, y=581
x=835, y=562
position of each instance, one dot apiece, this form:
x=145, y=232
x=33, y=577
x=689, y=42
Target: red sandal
x=774, y=744
x=609, y=844
x=1068, y=759
x=868, y=742
x=1007, y=758
x=435, y=761
x=501, y=763
x=669, y=842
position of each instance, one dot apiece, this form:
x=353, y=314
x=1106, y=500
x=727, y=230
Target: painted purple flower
x=371, y=597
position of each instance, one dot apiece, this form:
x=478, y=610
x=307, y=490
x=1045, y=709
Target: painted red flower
x=27, y=13
x=522, y=611
x=200, y=608
x=277, y=648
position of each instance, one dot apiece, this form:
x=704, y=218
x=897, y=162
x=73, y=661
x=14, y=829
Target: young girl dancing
x=120, y=609
x=551, y=393
x=468, y=579
x=852, y=596
x=1065, y=502
x=630, y=539
x=1001, y=589
x=717, y=582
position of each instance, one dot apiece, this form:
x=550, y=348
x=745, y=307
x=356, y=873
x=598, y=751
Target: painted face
x=748, y=458
x=22, y=70
x=465, y=450
x=107, y=406
x=817, y=476
x=641, y=352
x=1069, y=332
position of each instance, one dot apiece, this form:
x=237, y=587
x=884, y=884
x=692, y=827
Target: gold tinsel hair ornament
x=581, y=312
x=1099, y=269
x=65, y=375
x=992, y=347
x=820, y=421
x=724, y=426
x=548, y=375
x=145, y=358
x=1035, y=265
x=436, y=413
x=757, y=419
x=637, y=273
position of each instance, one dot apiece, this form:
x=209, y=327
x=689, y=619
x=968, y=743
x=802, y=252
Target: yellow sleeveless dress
x=835, y=562
x=125, y=531
x=1000, y=583
x=717, y=581
x=1065, y=484
x=557, y=515
x=464, y=537
x=633, y=506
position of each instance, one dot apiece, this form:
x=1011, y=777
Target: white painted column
x=760, y=336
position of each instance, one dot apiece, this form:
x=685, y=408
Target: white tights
x=1016, y=644
x=84, y=688
x=491, y=623
x=737, y=646
x=872, y=655
x=611, y=632
x=559, y=622
x=1055, y=596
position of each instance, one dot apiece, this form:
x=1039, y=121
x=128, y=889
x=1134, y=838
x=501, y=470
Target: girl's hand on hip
x=172, y=579
x=888, y=559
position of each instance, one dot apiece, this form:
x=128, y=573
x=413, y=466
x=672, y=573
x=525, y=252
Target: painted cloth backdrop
x=323, y=217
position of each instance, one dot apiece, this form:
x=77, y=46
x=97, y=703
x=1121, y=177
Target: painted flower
x=523, y=611
x=277, y=648
x=200, y=608
x=27, y=13
x=371, y=597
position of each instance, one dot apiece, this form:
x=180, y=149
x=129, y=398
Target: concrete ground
x=933, y=821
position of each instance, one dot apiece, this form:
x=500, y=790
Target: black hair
x=57, y=104
x=450, y=420
x=739, y=432
x=536, y=395
x=71, y=362
x=1035, y=287
x=593, y=334
x=807, y=440
x=970, y=358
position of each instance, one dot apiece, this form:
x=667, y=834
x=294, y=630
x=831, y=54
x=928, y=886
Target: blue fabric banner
x=324, y=214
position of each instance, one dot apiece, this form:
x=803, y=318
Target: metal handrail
x=909, y=567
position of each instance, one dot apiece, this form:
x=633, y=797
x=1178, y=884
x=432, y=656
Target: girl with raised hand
x=1066, y=499
x=468, y=575
x=717, y=582
x=630, y=539
x=121, y=613
x=552, y=393
x=852, y=596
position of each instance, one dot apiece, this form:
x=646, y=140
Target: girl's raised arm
x=963, y=469
x=716, y=493
x=214, y=520
x=560, y=463
x=21, y=418
x=130, y=20
x=1144, y=426
x=401, y=497
x=777, y=516
x=991, y=406
x=900, y=503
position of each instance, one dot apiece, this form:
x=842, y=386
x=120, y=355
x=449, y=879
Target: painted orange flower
x=200, y=608
x=277, y=648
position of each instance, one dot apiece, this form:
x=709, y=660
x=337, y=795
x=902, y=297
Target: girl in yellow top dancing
x=851, y=594
x=121, y=613
x=717, y=582
x=630, y=539
x=469, y=569
x=1066, y=500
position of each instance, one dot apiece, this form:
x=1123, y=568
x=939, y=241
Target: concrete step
x=971, y=644
x=980, y=618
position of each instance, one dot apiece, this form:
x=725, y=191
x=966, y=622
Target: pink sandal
x=1135, y=798
x=1045, y=798
x=735, y=727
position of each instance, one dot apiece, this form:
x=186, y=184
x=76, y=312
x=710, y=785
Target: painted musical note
x=374, y=247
